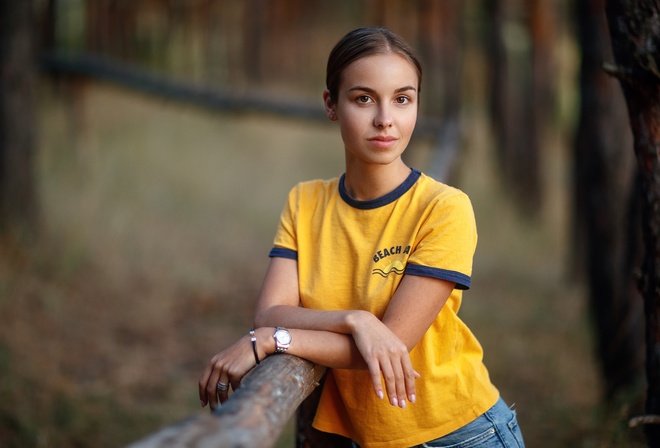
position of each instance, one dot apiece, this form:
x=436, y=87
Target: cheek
x=347, y=130
x=353, y=121
x=408, y=122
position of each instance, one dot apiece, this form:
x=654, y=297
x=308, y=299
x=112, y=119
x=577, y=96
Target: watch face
x=283, y=337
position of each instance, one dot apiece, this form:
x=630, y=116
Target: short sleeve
x=446, y=241
x=286, y=242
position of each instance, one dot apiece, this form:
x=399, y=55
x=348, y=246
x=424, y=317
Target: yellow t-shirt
x=352, y=255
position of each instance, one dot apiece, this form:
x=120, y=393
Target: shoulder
x=440, y=195
x=316, y=185
x=312, y=191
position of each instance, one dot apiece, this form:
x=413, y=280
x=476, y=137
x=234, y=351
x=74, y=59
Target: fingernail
x=380, y=394
x=201, y=402
x=394, y=402
x=412, y=398
x=402, y=404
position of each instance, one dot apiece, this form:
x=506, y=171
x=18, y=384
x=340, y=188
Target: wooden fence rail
x=213, y=98
x=254, y=416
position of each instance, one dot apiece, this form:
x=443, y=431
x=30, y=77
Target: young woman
x=367, y=273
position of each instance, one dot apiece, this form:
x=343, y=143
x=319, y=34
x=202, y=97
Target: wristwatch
x=282, y=339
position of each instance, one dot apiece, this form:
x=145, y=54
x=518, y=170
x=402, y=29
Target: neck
x=364, y=183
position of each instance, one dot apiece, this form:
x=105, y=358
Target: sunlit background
x=168, y=134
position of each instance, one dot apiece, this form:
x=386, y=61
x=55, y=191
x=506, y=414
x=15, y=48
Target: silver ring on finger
x=221, y=387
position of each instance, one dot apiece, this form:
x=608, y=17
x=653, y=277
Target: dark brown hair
x=364, y=42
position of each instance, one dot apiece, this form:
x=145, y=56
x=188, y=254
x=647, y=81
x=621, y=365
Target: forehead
x=380, y=69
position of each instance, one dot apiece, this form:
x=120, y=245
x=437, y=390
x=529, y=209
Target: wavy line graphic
x=395, y=267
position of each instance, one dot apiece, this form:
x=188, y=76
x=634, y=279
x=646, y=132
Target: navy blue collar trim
x=383, y=200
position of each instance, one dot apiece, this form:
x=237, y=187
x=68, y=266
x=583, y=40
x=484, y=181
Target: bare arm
x=323, y=337
x=382, y=347
x=278, y=304
x=340, y=339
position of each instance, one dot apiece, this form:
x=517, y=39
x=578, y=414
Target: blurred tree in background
x=18, y=77
x=607, y=226
x=635, y=31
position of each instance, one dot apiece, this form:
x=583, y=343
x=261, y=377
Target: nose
x=383, y=118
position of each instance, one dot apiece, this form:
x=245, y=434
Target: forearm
x=374, y=347
x=326, y=348
x=321, y=336
x=341, y=321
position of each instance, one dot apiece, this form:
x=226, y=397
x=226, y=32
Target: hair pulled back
x=364, y=42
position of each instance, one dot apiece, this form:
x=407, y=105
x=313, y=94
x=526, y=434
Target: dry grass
x=157, y=221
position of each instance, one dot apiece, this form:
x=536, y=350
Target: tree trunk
x=604, y=190
x=18, y=208
x=635, y=30
x=512, y=101
x=441, y=41
x=498, y=73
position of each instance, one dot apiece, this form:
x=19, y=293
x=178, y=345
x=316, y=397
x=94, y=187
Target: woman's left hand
x=385, y=354
x=225, y=370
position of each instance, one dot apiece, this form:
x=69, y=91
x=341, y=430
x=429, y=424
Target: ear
x=330, y=106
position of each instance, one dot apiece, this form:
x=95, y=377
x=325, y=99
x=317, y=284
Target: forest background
x=168, y=133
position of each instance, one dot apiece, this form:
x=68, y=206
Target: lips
x=383, y=141
x=383, y=138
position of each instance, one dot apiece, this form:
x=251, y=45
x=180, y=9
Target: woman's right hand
x=228, y=368
x=385, y=354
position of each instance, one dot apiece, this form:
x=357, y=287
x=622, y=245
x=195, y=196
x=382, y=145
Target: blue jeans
x=496, y=428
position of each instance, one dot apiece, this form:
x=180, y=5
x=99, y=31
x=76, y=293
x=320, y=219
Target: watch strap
x=253, y=339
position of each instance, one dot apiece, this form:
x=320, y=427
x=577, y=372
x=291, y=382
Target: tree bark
x=635, y=31
x=604, y=197
x=18, y=204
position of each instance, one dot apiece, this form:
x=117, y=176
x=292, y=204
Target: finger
x=409, y=377
x=399, y=383
x=376, y=378
x=212, y=387
x=390, y=382
x=222, y=388
x=203, y=382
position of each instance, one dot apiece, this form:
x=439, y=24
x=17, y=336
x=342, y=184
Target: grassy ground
x=156, y=224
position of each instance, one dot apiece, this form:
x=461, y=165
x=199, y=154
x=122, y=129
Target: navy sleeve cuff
x=283, y=253
x=462, y=281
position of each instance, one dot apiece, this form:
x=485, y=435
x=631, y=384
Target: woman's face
x=376, y=108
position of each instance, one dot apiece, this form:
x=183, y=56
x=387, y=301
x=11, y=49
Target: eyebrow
x=370, y=90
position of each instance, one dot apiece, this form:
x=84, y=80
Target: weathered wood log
x=254, y=415
x=644, y=420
